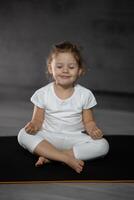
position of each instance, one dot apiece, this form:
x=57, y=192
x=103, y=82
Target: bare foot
x=76, y=164
x=41, y=161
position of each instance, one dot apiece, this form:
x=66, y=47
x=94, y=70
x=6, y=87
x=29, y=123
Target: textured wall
x=103, y=28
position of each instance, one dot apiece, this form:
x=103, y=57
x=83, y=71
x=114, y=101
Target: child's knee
x=103, y=147
x=91, y=150
x=28, y=141
x=21, y=136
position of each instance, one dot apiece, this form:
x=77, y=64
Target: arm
x=37, y=119
x=90, y=124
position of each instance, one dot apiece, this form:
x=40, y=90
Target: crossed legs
x=71, y=151
x=47, y=151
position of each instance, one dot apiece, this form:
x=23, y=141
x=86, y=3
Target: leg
x=69, y=152
x=47, y=150
x=42, y=160
x=91, y=149
x=29, y=142
x=88, y=149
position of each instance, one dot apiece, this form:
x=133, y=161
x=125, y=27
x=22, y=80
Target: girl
x=63, y=127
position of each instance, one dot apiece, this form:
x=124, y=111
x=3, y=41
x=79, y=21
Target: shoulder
x=40, y=96
x=83, y=90
x=86, y=96
x=43, y=89
x=42, y=92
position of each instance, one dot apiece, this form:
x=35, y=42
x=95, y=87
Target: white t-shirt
x=63, y=116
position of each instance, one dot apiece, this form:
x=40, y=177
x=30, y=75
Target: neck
x=63, y=87
x=63, y=92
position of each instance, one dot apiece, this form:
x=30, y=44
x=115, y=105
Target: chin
x=64, y=83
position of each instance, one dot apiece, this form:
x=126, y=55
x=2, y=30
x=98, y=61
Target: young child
x=63, y=127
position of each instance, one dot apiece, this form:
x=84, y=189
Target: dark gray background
x=103, y=28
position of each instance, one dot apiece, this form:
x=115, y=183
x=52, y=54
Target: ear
x=50, y=68
x=80, y=72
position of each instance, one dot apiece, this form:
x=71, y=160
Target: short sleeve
x=38, y=99
x=89, y=100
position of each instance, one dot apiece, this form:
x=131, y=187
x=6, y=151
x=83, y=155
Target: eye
x=72, y=66
x=59, y=66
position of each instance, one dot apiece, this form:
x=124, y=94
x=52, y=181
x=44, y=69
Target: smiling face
x=64, y=69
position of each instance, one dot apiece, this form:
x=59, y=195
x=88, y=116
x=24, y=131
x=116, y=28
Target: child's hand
x=31, y=128
x=93, y=130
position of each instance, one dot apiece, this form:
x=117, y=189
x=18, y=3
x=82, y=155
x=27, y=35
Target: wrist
x=35, y=125
x=90, y=126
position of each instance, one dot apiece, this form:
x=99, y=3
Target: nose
x=65, y=69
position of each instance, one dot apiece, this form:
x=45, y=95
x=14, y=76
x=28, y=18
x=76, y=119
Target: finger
x=30, y=132
x=26, y=129
x=94, y=136
x=100, y=133
x=29, y=129
x=97, y=134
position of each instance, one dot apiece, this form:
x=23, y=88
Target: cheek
x=75, y=73
x=56, y=72
x=51, y=69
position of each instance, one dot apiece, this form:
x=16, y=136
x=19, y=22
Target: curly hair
x=67, y=47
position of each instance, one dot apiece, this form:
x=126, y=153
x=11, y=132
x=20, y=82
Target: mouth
x=65, y=77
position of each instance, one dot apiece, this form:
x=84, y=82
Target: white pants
x=84, y=147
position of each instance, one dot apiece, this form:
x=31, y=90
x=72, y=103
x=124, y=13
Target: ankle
x=65, y=157
x=69, y=153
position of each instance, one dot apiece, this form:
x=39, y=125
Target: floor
x=112, y=119
x=67, y=191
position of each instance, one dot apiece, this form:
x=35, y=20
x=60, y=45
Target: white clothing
x=63, y=116
x=63, y=125
x=84, y=147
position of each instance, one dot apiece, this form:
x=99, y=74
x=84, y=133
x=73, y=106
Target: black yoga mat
x=17, y=164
